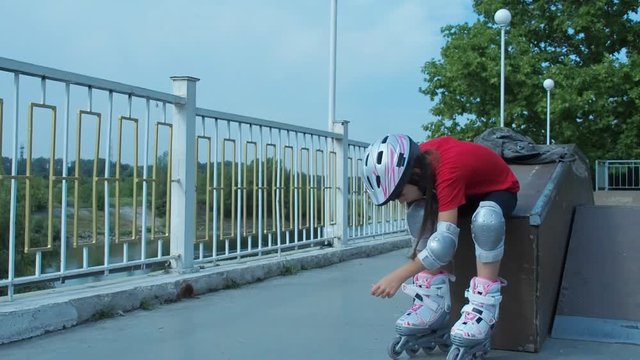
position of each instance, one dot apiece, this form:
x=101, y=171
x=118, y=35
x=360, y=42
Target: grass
x=290, y=269
x=105, y=313
x=148, y=304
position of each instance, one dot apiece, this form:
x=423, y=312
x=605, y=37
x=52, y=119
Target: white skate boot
x=426, y=324
x=471, y=334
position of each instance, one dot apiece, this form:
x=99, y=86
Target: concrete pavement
x=324, y=313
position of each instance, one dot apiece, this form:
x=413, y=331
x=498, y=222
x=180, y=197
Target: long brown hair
x=423, y=176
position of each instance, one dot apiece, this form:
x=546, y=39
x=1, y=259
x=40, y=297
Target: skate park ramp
x=600, y=294
x=537, y=237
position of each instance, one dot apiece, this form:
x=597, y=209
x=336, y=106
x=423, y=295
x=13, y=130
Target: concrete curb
x=45, y=311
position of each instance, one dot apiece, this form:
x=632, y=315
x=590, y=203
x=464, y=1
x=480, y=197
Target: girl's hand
x=386, y=287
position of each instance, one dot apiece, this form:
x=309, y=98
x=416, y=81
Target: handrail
x=83, y=80
x=266, y=123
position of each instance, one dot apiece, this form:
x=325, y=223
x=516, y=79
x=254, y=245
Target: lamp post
x=332, y=63
x=548, y=85
x=502, y=18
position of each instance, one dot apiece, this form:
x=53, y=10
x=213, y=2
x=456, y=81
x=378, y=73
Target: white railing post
x=606, y=175
x=183, y=184
x=597, y=187
x=340, y=230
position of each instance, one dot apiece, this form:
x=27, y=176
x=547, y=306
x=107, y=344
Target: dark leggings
x=507, y=201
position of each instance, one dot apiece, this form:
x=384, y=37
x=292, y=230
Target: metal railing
x=617, y=175
x=132, y=178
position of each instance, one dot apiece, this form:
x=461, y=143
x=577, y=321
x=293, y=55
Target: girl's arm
x=389, y=285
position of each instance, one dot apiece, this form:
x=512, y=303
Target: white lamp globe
x=548, y=84
x=502, y=17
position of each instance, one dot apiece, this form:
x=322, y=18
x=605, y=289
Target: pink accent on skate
x=483, y=286
x=424, y=279
x=420, y=320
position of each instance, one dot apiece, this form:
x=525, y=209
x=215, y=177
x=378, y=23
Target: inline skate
x=425, y=325
x=471, y=334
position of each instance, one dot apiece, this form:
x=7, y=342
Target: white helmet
x=387, y=167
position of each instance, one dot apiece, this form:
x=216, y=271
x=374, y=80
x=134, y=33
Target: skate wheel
x=444, y=347
x=413, y=351
x=454, y=353
x=428, y=349
x=480, y=355
x=392, y=350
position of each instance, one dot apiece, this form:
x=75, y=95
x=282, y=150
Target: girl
x=437, y=179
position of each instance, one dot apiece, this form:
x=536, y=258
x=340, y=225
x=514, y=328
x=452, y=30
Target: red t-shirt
x=465, y=169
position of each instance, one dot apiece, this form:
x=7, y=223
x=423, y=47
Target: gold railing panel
x=319, y=188
x=379, y=212
x=207, y=219
x=287, y=153
x=1, y=137
x=134, y=223
x=167, y=215
x=52, y=152
x=358, y=193
x=368, y=210
x=269, y=154
x=250, y=230
x=392, y=212
x=304, y=175
x=228, y=187
x=351, y=192
x=333, y=191
x=94, y=180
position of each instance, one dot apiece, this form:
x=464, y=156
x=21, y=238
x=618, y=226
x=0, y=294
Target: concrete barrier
x=617, y=198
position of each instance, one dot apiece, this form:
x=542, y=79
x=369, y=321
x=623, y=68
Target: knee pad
x=440, y=247
x=487, y=231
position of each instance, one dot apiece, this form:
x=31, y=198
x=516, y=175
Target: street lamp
x=502, y=18
x=332, y=63
x=548, y=85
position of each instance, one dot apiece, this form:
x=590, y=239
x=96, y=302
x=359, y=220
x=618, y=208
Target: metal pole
x=332, y=63
x=548, y=117
x=548, y=85
x=502, y=76
x=502, y=17
x=14, y=188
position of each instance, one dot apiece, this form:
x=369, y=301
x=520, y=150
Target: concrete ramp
x=600, y=294
x=536, y=243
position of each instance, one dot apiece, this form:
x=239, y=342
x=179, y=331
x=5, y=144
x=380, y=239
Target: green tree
x=590, y=49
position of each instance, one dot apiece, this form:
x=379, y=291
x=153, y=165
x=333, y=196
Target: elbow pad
x=440, y=247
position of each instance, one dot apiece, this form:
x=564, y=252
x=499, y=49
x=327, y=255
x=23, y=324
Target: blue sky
x=261, y=58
